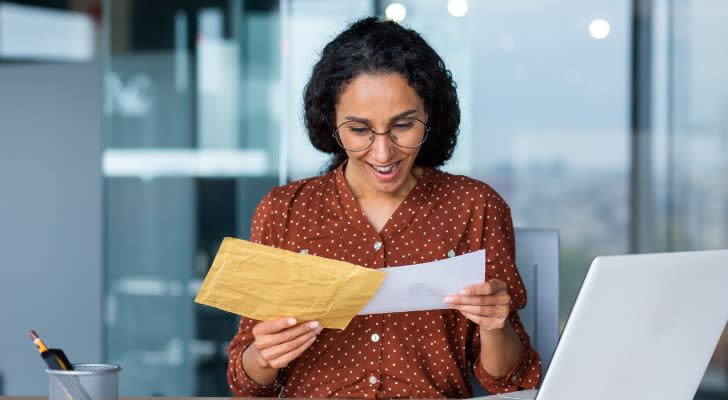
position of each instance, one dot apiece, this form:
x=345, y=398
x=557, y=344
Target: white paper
x=424, y=286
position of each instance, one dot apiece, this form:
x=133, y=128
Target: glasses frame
x=388, y=132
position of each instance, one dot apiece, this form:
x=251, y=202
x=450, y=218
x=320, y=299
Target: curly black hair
x=373, y=46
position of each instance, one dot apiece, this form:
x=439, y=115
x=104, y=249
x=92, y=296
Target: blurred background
x=135, y=135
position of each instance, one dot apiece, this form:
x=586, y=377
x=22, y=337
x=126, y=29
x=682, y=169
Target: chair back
x=537, y=258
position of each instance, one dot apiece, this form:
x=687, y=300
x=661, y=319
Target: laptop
x=644, y=326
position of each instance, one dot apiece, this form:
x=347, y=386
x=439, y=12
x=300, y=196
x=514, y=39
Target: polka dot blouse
x=425, y=354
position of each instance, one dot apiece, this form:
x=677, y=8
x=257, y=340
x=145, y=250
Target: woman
x=381, y=101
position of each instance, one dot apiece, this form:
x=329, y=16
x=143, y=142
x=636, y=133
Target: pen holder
x=85, y=382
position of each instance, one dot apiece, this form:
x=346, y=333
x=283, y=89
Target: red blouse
x=425, y=354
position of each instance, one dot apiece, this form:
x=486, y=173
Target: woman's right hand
x=277, y=343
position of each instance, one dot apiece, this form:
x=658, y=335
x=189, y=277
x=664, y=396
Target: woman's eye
x=402, y=126
x=359, y=130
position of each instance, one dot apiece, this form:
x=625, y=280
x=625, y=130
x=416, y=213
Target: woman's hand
x=277, y=343
x=487, y=304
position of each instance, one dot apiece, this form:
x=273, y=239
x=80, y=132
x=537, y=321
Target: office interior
x=136, y=134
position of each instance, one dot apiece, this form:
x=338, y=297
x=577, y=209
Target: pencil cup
x=85, y=382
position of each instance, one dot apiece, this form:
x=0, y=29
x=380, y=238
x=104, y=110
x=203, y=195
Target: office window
x=691, y=150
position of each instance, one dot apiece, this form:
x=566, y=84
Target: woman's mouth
x=385, y=171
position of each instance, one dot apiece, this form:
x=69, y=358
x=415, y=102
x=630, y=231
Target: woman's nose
x=383, y=147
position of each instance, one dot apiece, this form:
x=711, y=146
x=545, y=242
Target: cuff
x=243, y=385
x=508, y=382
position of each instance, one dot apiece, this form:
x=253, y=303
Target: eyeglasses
x=358, y=136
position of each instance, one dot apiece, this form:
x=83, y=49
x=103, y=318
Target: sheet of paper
x=263, y=283
x=423, y=286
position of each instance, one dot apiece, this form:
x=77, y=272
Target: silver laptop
x=643, y=327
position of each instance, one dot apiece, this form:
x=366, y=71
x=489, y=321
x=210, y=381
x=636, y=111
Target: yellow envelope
x=263, y=283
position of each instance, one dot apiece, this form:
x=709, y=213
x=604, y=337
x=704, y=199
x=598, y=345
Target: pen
x=54, y=358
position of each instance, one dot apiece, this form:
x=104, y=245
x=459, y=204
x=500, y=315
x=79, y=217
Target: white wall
x=50, y=218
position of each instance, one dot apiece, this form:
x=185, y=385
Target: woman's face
x=381, y=102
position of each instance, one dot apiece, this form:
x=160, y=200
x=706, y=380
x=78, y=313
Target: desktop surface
x=121, y=398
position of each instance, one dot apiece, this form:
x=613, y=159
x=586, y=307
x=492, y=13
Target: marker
x=54, y=358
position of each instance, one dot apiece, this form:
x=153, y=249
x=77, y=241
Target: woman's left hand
x=487, y=304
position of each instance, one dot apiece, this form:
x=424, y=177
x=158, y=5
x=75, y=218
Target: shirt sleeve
x=240, y=383
x=526, y=374
x=499, y=242
x=264, y=231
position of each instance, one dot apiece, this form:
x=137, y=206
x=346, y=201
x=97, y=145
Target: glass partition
x=191, y=144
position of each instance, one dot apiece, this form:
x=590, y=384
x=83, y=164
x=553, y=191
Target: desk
x=209, y=398
x=123, y=398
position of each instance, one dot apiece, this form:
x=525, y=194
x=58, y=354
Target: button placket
x=375, y=333
x=378, y=256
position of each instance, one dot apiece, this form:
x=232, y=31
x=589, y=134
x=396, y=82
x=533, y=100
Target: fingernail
x=464, y=292
x=448, y=299
x=320, y=328
x=313, y=324
x=291, y=321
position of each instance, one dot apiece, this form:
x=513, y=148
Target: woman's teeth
x=387, y=169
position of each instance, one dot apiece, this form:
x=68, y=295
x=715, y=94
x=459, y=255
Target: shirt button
x=451, y=254
x=375, y=338
x=304, y=251
x=372, y=379
x=377, y=246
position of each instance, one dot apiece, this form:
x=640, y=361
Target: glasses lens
x=408, y=132
x=354, y=136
